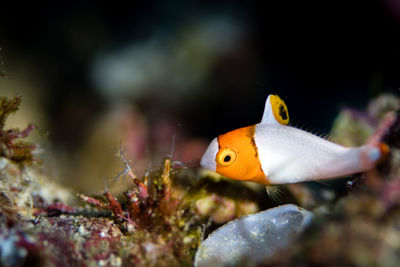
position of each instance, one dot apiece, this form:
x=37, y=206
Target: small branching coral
x=155, y=217
x=10, y=145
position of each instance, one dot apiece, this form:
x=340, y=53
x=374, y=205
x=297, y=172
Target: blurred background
x=155, y=78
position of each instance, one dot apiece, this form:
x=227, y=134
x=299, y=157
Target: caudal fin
x=384, y=152
x=373, y=155
x=379, y=151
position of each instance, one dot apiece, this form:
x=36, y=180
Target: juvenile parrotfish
x=271, y=152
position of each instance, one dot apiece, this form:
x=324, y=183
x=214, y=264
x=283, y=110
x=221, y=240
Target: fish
x=273, y=153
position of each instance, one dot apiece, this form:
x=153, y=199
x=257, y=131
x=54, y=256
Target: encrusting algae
x=159, y=223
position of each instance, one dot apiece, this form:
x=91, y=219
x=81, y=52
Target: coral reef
x=161, y=218
x=155, y=221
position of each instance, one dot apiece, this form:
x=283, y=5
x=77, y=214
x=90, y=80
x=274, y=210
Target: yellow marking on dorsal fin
x=279, y=110
x=275, y=111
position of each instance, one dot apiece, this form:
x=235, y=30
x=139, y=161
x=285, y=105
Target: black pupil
x=227, y=158
x=282, y=112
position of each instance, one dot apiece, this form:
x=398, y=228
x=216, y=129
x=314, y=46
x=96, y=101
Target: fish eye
x=226, y=156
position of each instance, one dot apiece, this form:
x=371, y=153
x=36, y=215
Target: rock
x=253, y=238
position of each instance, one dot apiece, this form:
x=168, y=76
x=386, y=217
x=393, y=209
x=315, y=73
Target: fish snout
x=208, y=159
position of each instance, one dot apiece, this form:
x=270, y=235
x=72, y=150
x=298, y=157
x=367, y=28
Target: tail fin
x=380, y=151
x=374, y=154
x=384, y=152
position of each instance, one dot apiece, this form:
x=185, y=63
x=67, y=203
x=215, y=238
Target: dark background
x=317, y=55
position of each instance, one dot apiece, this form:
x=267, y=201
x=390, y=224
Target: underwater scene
x=174, y=133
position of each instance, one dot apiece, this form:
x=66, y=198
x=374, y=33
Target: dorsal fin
x=275, y=111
